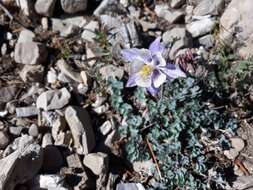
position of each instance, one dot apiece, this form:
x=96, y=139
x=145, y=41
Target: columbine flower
x=148, y=67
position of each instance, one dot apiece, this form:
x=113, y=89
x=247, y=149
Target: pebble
x=32, y=73
x=30, y=53
x=169, y=15
x=8, y=93
x=33, y=130
x=74, y=161
x=4, y=140
x=26, y=36
x=45, y=7
x=111, y=71
x=26, y=6
x=105, y=128
x=89, y=32
x=16, y=131
x=237, y=146
x=128, y=186
x=176, y=3
x=50, y=182
x=26, y=111
x=74, y=6
x=207, y=41
x=97, y=162
x=47, y=140
x=207, y=7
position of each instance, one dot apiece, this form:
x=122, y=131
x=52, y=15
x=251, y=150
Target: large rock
x=206, y=7
x=53, y=99
x=45, y=7
x=30, y=53
x=97, y=162
x=74, y=6
x=20, y=166
x=26, y=36
x=169, y=15
x=80, y=125
x=238, y=15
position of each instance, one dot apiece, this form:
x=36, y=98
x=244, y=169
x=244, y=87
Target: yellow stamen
x=146, y=70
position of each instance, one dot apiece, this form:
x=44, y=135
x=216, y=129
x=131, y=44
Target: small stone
x=68, y=71
x=45, y=7
x=26, y=111
x=4, y=140
x=26, y=6
x=89, y=32
x=74, y=161
x=58, y=124
x=105, y=128
x=44, y=23
x=237, y=143
x=74, y=6
x=8, y=93
x=146, y=167
x=90, y=54
x=176, y=3
x=101, y=109
x=53, y=99
x=200, y=27
x=32, y=73
x=53, y=160
x=80, y=125
x=111, y=71
x=169, y=15
x=206, y=7
x=30, y=53
x=50, y=182
x=97, y=162
x=33, y=130
x=16, y=131
x=207, y=41
x=99, y=101
x=51, y=76
x=128, y=186
x=4, y=49
x=26, y=36
x=47, y=140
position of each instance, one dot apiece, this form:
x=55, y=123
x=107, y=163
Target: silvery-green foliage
x=173, y=125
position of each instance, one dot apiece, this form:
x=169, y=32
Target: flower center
x=146, y=70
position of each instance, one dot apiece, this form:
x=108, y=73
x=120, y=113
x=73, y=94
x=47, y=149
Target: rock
x=26, y=36
x=144, y=167
x=169, y=15
x=74, y=161
x=4, y=140
x=180, y=37
x=207, y=41
x=51, y=76
x=8, y=93
x=90, y=54
x=58, y=125
x=201, y=26
x=32, y=73
x=147, y=25
x=111, y=71
x=209, y=7
x=111, y=6
x=53, y=99
x=105, y=128
x=237, y=146
x=50, y=182
x=238, y=15
x=47, y=140
x=128, y=186
x=52, y=160
x=101, y=109
x=44, y=23
x=68, y=71
x=99, y=101
x=33, y=130
x=16, y=131
x=26, y=6
x=176, y=3
x=26, y=111
x=89, y=32
x=30, y=53
x=80, y=125
x=45, y=7
x=74, y=6
x=243, y=183
x=28, y=158
x=97, y=162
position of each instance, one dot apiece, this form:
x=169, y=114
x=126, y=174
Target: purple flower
x=148, y=67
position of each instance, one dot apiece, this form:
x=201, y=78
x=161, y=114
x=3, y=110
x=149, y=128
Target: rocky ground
x=58, y=129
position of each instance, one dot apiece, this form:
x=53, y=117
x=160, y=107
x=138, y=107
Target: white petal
x=143, y=81
x=136, y=66
x=173, y=73
x=159, y=79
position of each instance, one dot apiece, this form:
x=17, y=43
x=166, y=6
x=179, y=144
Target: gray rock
x=4, y=140
x=32, y=73
x=176, y=3
x=74, y=6
x=53, y=99
x=243, y=183
x=201, y=26
x=28, y=158
x=74, y=161
x=206, y=7
x=237, y=146
x=97, y=162
x=171, y=16
x=111, y=71
x=26, y=36
x=52, y=160
x=80, y=125
x=50, y=182
x=128, y=186
x=180, y=37
x=68, y=71
x=111, y=6
x=47, y=140
x=26, y=6
x=58, y=125
x=238, y=15
x=89, y=32
x=16, y=130
x=26, y=111
x=207, y=41
x=105, y=128
x=45, y=7
x=30, y=53
x=8, y=93
x=33, y=130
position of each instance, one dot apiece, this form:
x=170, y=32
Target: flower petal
x=158, y=60
x=156, y=46
x=158, y=78
x=134, y=53
x=172, y=71
x=152, y=90
x=132, y=80
x=143, y=81
x=136, y=66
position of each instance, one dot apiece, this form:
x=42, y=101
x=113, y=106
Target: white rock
x=51, y=76
x=169, y=15
x=89, y=31
x=111, y=71
x=237, y=143
x=30, y=53
x=26, y=36
x=176, y=3
x=97, y=162
x=74, y=6
x=44, y=23
x=26, y=6
x=206, y=7
x=49, y=181
x=130, y=186
x=105, y=128
x=53, y=99
x=26, y=111
x=200, y=27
